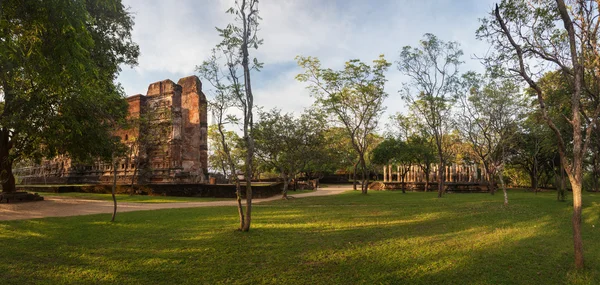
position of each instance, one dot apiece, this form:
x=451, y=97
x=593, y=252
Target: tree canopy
x=58, y=64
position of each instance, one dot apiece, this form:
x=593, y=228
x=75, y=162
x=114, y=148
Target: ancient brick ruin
x=167, y=143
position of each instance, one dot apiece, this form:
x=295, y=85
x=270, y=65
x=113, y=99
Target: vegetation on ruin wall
x=383, y=237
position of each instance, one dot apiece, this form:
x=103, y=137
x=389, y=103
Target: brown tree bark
x=365, y=176
x=354, y=175
x=286, y=182
x=113, y=190
x=441, y=173
x=6, y=175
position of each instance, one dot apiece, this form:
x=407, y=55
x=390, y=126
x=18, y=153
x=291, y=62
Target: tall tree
x=530, y=38
x=491, y=111
x=433, y=71
x=398, y=152
x=534, y=151
x=353, y=96
x=58, y=64
x=288, y=144
x=238, y=39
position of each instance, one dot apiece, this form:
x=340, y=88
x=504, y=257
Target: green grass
x=133, y=198
x=380, y=238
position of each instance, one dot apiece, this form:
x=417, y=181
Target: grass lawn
x=133, y=198
x=380, y=238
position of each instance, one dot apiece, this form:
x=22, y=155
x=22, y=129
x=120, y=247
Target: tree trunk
x=534, y=182
x=285, y=186
x=576, y=220
x=403, y=184
x=135, y=170
x=114, y=188
x=248, y=217
x=6, y=174
x=595, y=172
x=354, y=175
x=365, y=176
x=248, y=115
x=534, y=179
x=441, y=177
x=561, y=185
x=427, y=179
x=501, y=177
x=238, y=196
x=491, y=183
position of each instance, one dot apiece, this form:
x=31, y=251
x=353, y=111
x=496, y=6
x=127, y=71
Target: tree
x=530, y=38
x=411, y=129
x=491, y=112
x=218, y=158
x=396, y=151
x=433, y=72
x=226, y=97
x=424, y=153
x=237, y=40
x=534, y=151
x=353, y=96
x=58, y=64
x=287, y=144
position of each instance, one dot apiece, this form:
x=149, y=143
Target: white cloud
x=175, y=36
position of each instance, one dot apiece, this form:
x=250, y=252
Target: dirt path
x=54, y=206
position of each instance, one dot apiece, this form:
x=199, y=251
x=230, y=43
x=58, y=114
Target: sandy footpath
x=54, y=206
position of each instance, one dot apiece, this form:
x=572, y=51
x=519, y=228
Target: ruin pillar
x=384, y=173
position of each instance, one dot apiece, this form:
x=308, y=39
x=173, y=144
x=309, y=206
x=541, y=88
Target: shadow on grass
x=387, y=238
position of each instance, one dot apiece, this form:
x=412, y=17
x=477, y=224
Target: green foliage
x=287, y=144
x=392, y=151
x=217, y=158
x=59, y=60
x=353, y=96
x=381, y=238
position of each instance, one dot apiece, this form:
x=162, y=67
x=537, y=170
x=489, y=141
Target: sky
x=175, y=36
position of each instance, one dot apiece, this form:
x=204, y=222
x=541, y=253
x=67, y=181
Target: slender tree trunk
x=403, y=183
x=114, y=188
x=6, y=174
x=534, y=179
x=354, y=175
x=365, y=176
x=286, y=182
x=441, y=176
x=533, y=182
x=135, y=170
x=491, y=182
x=562, y=189
x=501, y=178
x=595, y=171
x=427, y=179
x=248, y=217
x=248, y=115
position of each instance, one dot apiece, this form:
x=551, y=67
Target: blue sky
x=175, y=36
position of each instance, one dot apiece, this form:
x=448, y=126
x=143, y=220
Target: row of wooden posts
x=454, y=173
